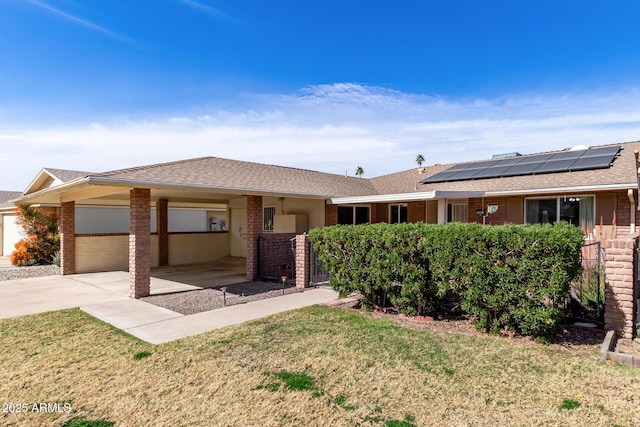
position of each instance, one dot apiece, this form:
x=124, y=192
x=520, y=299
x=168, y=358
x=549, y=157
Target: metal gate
x=587, y=291
x=318, y=274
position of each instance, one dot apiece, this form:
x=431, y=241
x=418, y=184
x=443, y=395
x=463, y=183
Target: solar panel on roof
x=555, y=166
x=593, y=158
x=606, y=151
x=491, y=172
x=594, y=162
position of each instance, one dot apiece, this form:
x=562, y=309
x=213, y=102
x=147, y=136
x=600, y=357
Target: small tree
x=359, y=171
x=43, y=238
x=420, y=160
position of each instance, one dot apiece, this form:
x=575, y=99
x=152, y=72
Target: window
x=398, y=214
x=268, y=212
x=458, y=211
x=353, y=215
x=576, y=210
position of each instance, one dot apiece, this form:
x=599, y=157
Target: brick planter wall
x=620, y=285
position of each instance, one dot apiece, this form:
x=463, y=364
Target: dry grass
x=350, y=369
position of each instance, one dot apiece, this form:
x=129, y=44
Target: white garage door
x=12, y=234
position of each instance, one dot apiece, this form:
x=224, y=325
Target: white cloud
x=83, y=22
x=333, y=128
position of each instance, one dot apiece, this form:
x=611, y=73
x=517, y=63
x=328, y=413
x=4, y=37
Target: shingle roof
x=5, y=196
x=623, y=171
x=234, y=174
x=66, y=175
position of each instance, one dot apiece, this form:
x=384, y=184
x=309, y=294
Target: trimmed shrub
x=381, y=261
x=43, y=241
x=513, y=277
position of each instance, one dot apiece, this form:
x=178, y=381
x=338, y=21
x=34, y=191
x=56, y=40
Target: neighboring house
x=9, y=230
x=206, y=208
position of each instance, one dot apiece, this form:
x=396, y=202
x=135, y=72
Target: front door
x=238, y=232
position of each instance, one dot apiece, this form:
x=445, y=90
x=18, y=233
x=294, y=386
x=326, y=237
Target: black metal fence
x=319, y=274
x=587, y=296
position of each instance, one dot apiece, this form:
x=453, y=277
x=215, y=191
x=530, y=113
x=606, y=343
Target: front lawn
x=312, y=367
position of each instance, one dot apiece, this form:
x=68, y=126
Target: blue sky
x=102, y=84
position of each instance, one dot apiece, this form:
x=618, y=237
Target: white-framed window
x=458, y=211
x=268, y=214
x=354, y=215
x=576, y=210
x=398, y=213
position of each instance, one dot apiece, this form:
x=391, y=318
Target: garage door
x=12, y=233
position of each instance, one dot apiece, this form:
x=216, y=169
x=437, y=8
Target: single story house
x=201, y=209
x=9, y=230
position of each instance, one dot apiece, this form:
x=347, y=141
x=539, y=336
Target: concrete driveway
x=105, y=296
x=40, y=294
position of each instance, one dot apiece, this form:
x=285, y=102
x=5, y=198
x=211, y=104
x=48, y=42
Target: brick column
x=140, y=243
x=162, y=222
x=254, y=230
x=303, y=261
x=68, y=238
x=620, y=285
x=330, y=214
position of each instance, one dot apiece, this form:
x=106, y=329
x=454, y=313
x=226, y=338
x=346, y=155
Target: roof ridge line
x=153, y=166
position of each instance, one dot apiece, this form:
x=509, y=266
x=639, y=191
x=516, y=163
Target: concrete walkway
x=105, y=296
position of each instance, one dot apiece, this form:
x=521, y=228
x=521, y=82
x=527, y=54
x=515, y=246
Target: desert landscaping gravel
x=14, y=273
x=192, y=302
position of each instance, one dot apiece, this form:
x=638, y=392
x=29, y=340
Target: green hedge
x=512, y=276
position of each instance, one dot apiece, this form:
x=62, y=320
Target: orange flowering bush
x=43, y=242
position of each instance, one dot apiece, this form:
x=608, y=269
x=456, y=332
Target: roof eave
x=405, y=197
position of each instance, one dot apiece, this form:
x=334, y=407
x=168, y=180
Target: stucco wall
x=200, y=247
x=313, y=209
x=107, y=253
x=111, y=252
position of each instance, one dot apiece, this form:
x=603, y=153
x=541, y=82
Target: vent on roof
x=578, y=148
x=506, y=155
x=563, y=161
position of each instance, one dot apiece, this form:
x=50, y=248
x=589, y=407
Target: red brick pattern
x=422, y=211
x=68, y=238
x=498, y=218
x=621, y=290
x=162, y=220
x=140, y=243
x=254, y=229
x=303, y=259
x=330, y=214
x=275, y=251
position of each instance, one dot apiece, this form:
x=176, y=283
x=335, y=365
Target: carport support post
x=140, y=243
x=254, y=229
x=68, y=238
x=162, y=220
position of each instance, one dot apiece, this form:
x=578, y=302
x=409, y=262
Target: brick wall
x=275, y=250
x=254, y=229
x=303, y=259
x=498, y=218
x=140, y=243
x=68, y=238
x=620, y=285
x=330, y=214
